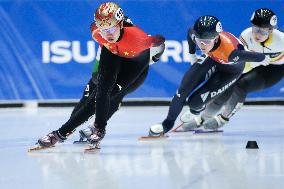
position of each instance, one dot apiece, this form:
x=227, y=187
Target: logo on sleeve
x=236, y=58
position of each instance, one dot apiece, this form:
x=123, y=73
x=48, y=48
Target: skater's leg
x=193, y=78
x=91, y=86
x=88, y=108
x=215, y=106
x=89, y=89
x=216, y=85
x=117, y=98
x=80, y=116
x=129, y=72
x=255, y=80
x=212, y=109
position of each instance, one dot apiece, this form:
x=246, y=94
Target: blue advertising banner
x=46, y=50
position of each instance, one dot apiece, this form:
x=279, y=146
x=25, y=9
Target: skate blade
x=183, y=131
x=177, y=129
x=92, y=148
x=180, y=129
x=201, y=131
x=37, y=147
x=80, y=142
x=153, y=137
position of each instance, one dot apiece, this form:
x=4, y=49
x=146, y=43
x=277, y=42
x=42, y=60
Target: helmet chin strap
x=216, y=44
x=264, y=43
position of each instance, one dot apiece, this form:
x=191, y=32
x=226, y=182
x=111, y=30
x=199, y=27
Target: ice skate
x=190, y=122
x=48, y=141
x=212, y=125
x=95, y=135
x=92, y=147
x=186, y=117
x=207, y=131
x=187, y=127
x=84, y=135
x=81, y=140
x=215, y=122
x=156, y=132
x=37, y=147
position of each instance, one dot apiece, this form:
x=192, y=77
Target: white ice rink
x=184, y=160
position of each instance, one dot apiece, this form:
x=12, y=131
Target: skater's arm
x=97, y=62
x=158, y=48
x=192, y=47
x=191, y=42
x=246, y=56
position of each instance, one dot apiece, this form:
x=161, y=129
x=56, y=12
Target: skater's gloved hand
x=266, y=61
x=157, y=49
x=157, y=40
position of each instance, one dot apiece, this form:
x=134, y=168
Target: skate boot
x=190, y=126
x=186, y=117
x=215, y=122
x=84, y=135
x=156, y=130
x=190, y=121
x=95, y=137
x=48, y=141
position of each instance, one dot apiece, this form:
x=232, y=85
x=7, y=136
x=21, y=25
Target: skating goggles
x=261, y=31
x=110, y=30
x=204, y=41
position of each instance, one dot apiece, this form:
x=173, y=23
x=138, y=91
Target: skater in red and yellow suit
x=122, y=66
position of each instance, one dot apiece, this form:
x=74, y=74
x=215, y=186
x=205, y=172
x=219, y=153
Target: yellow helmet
x=108, y=15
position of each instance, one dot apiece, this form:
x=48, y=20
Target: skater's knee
x=242, y=85
x=195, y=106
x=246, y=85
x=195, y=101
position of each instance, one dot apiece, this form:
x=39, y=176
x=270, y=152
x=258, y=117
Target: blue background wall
x=46, y=51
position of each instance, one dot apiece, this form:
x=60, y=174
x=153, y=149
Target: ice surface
x=184, y=160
